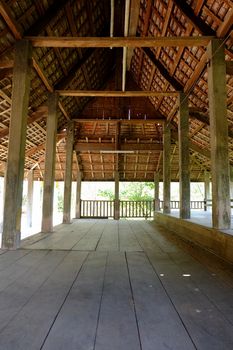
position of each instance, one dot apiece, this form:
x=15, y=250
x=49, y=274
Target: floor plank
x=104, y=284
x=157, y=317
x=31, y=324
x=79, y=315
x=109, y=240
x=117, y=328
x=200, y=316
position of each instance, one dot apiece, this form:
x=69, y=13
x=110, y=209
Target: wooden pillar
x=184, y=169
x=221, y=211
x=16, y=148
x=50, y=155
x=231, y=182
x=166, y=168
x=30, y=198
x=117, y=199
x=78, y=195
x=207, y=189
x=68, y=174
x=156, y=191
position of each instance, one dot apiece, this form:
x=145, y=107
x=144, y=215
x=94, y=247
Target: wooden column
x=78, y=195
x=68, y=174
x=221, y=211
x=207, y=189
x=30, y=198
x=231, y=182
x=50, y=156
x=184, y=169
x=166, y=168
x=156, y=191
x=16, y=148
x=117, y=199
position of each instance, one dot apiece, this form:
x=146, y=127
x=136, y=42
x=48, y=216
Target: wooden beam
x=98, y=147
x=78, y=42
x=107, y=93
x=5, y=11
x=123, y=121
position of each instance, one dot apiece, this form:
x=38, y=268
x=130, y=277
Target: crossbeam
x=95, y=93
x=125, y=121
x=69, y=42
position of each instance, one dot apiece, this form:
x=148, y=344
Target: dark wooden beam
x=43, y=21
x=171, y=80
x=196, y=21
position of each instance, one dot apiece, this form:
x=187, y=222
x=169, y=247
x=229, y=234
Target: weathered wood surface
x=136, y=286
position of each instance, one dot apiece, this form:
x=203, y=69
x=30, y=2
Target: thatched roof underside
x=157, y=69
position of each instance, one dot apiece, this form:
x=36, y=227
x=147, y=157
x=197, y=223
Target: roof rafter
x=197, y=22
x=172, y=81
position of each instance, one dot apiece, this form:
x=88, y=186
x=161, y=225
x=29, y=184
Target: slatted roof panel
x=98, y=69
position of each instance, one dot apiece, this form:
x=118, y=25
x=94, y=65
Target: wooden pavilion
x=116, y=90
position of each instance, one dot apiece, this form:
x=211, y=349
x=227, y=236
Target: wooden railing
x=132, y=209
x=97, y=209
x=199, y=205
x=136, y=209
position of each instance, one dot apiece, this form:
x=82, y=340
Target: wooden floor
x=109, y=285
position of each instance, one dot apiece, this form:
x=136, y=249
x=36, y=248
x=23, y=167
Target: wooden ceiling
x=103, y=125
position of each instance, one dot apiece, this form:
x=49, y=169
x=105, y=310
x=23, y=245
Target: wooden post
x=207, y=189
x=117, y=200
x=221, y=211
x=30, y=197
x=16, y=149
x=166, y=168
x=184, y=169
x=156, y=191
x=231, y=183
x=68, y=174
x=50, y=154
x=78, y=195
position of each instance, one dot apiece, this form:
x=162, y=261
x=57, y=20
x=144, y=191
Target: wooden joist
x=95, y=93
x=125, y=121
x=183, y=41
